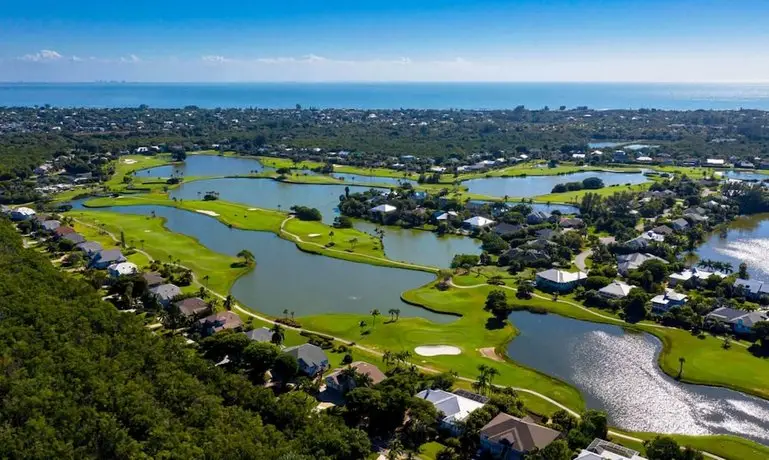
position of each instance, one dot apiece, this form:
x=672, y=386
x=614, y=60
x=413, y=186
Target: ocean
x=390, y=95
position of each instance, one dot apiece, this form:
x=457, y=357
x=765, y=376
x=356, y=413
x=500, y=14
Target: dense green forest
x=78, y=379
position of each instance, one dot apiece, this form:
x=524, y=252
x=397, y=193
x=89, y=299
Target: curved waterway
x=747, y=240
x=206, y=165
x=286, y=278
x=617, y=371
x=530, y=186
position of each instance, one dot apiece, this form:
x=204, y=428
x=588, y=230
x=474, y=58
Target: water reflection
x=617, y=371
x=541, y=185
x=206, y=165
x=747, y=240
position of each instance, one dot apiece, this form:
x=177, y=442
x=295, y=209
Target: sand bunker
x=313, y=235
x=437, y=350
x=129, y=161
x=252, y=209
x=208, y=213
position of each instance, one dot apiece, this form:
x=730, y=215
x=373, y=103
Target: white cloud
x=215, y=59
x=131, y=58
x=42, y=56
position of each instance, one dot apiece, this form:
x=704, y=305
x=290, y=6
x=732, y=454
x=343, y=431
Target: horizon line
x=450, y=82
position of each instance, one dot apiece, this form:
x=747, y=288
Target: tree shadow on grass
x=758, y=351
x=493, y=323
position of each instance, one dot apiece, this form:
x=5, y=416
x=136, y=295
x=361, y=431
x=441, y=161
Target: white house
x=605, y=450
x=559, y=280
x=22, y=213
x=616, y=290
x=477, y=222
x=694, y=272
x=715, y=162
x=122, y=269
x=668, y=300
x=452, y=407
x=446, y=215
x=384, y=209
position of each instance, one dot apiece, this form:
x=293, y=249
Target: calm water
x=390, y=95
x=367, y=180
x=530, y=186
x=745, y=175
x=617, y=371
x=287, y=278
x=206, y=165
x=414, y=246
x=747, y=241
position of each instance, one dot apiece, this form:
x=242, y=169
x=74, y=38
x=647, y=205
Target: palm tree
x=396, y=450
x=292, y=315
x=278, y=334
x=375, y=313
x=681, y=361
x=142, y=243
x=705, y=263
x=391, y=312
x=727, y=267
x=285, y=313
x=388, y=357
x=228, y=301
x=247, y=256
x=397, y=314
x=205, y=280
x=353, y=242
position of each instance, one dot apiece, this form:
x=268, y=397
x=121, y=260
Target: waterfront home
x=664, y=302
x=312, y=359
x=452, y=408
x=600, y=449
x=695, y=274
x=627, y=262
x=571, y=222
x=619, y=156
x=740, y=321
x=383, y=209
x=339, y=382
x=192, y=307
x=506, y=229
x=751, y=288
x=510, y=438
x=616, y=290
x=644, y=239
x=89, y=248
x=74, y=238
x=537, y=217
x=680, y=224
x=261, y=334
x=107, y=257
x=559, y=280
x=122, y=269
x=477, y=222
x=219, y=322
x=546, y=234
x=165, y=293
x=22, y=213
x=448, y=215
x=153, y=279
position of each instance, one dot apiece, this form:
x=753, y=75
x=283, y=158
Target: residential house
x=605, y=450
x=339, y=382
x=312, y=359
x=477, y=222
x=89, y=248
x=627, y=262
x=680, y=224
x=620, y=156
x=663, y=230
x=510, y=438
x=442, y=216
x=697, y=274
x=559, y=280
x=74, y=238
x=107, y=257
x=383, y=209
x=153, y=279
x=745, y=164
x=740, y=321
x=715, y=162
x=751, y=288
x=22, y=213
x=192, y=307
x=219, y=322
x=453, y=408
x=546, y=234
x=48, y=226
x=122, y=269
x=644, y=239
x=506, y=229
x=62, y=230
x=537, y=217
x=571, y=222
x=261, y=334
x=664, y=302
x=165, y=293
x=616, y=290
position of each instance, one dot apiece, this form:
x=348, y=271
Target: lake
x=744, y=175
x=617, y=371
x=206, y=165
x=420, y=247
x=531, y=186
x=747, y=240
x=368, y=180
x=287, y=278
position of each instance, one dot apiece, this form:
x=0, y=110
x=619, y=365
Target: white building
x=616, y=290
x=122, y=269
x=453, y=407
x=477, y=222
x=384, y=209
x=605, y=450
x=22, y=213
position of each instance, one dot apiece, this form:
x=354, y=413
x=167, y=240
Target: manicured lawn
x=429, y=450
x=729, y=447
x=576, y=196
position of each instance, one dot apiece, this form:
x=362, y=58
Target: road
x=581, y=260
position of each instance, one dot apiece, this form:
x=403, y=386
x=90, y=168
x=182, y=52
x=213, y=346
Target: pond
x=531, y=186
x=420, y=247
x=287, y=278
x=747, y=240
x=366, y=180
x=206, y=165
x=744, y=175
x=617, y=371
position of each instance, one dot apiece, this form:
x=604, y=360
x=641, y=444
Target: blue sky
x=426, y=40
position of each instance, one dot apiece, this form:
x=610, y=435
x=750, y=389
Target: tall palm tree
x=205, y=280
x=391, y=312
x=681, y=361
x=374, y=314
x=397, y=314
x=278, y=334
x=228, y=301
x=285, y=313
x=388, y=357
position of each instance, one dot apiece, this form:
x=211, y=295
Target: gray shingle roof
x=310, y=354
x=262, y=334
